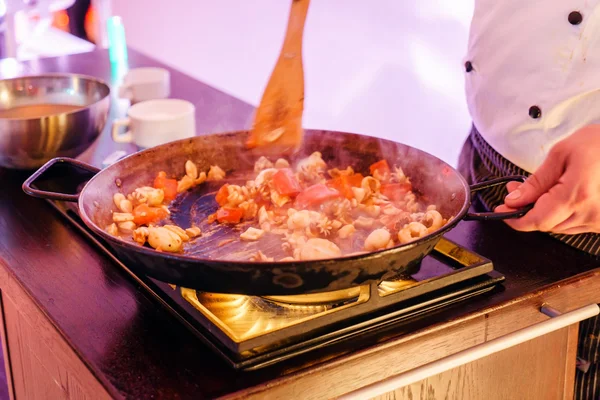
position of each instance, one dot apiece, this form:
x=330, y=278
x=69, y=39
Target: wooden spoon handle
x=294, y=34
x=278, y=118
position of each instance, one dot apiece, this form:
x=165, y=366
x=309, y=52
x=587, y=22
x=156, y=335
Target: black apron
x=480, y=162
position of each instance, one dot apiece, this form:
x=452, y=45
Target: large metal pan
x=204, y=266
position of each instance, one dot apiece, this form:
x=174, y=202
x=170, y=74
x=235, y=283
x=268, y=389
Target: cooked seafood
x=324, y=213
x=139, y=213
x=314, y=212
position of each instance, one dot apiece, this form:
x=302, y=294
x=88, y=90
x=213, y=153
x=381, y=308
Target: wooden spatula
x=277, y=124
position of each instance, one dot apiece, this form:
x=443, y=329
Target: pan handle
x=491, y=216
x=27, y=185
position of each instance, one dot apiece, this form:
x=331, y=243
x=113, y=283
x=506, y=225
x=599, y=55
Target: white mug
x=149, y=83
x=154, y=122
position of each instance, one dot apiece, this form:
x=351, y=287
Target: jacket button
x=468, y=66
x=575, y=18
x=535, y=112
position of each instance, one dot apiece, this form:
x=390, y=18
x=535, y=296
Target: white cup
x=149, y=83
x=154, y=122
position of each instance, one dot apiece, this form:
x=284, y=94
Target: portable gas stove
x=251, y=332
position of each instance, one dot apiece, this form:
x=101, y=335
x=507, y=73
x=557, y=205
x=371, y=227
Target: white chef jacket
x=532, y=74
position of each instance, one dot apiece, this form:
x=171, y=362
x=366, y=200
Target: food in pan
x=326, y=213
x=142, y=211
x=315, y=212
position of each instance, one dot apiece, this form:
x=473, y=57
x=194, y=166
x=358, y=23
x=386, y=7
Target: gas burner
x=324, y=298
x=250, y=325
x=250, y=332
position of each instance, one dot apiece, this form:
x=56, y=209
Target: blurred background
x=392, y=69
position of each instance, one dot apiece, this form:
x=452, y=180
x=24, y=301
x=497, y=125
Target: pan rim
x=240, y=263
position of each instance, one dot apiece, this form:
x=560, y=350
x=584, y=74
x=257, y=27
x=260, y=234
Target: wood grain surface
x=6, y=389
x=542, y=368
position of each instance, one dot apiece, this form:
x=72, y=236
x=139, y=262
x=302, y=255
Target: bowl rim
x=99, y=81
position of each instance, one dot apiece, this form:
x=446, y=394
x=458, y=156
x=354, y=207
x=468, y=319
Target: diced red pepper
x=315, y=195
x=354, y=180
x=285, y=182
x=143, y=214
x=169, y=186
x=382, y=169
x=222, y=195
x=395, y=191
x=229, y=215
x=260, y=201
x=345, y=183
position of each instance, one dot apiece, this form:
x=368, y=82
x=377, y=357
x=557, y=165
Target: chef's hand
x=565, y=188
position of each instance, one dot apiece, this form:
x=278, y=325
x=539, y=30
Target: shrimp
x=433, y=220
x=191, y=170
x=298, y=220
x=235, y=195
x=127, y=226
x=310, y=169
x=316, y=249
x=264, y=177
x=346, y=231
x=193, y=232
x=260, y=256
x=262, y=163
x=184, y=184
x=122, y=217
x=378, y=239
x=303, y=219
x=281, y=163
x=398, y=175
x=163, y=239
x=252, y=234
x=178, y=231
x=411, y=232
x=370, y=185
x=215, y=173
x=313, y=162
x=359, y=194
x=140, y=235
x=112, y=229
x=154, y=197
x=118, y=198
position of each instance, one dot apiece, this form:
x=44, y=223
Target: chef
x=532, y=76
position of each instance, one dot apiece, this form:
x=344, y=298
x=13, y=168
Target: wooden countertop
x=137, y=349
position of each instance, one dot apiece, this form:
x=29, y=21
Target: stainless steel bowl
x=51, y=115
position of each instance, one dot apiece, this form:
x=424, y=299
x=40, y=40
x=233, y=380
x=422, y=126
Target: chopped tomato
x=169, y=186
x=382, y=169
x=354, y=180
x=285, y=182
x=395, y=191
x=262, y=202
x=229, y=215
x=315, y=195
x=222, y=195
x=170, y=189
x=144, y=214
x=345, y=183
